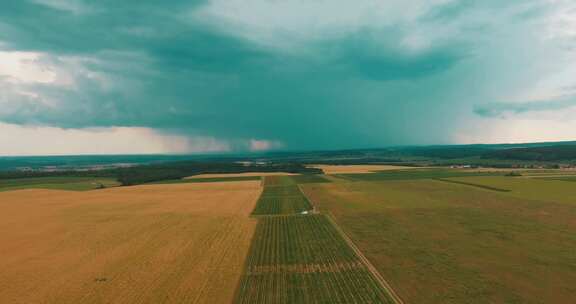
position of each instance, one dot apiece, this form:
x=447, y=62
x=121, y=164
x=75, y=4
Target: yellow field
x=219, y=175
x=343, y=169
x=183, y=243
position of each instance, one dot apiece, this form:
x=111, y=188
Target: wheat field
x=183, y=243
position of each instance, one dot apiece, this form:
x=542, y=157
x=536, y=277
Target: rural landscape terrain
x=330, y=227
x=287, y=152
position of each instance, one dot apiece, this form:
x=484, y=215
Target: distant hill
x=483, y=150
x=545, y=153
x=541, y=151
x=449, y=152
x=505, y=155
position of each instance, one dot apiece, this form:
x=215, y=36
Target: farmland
x=553, y=190
x=60, y=183
x=207, y=180
x=279, y=181
x=182, y=243
x=443, y=242
x=302, y=258
x=310, y=178
x=226, y=175
x=399, y=236
x=282, y=200
x=344, y=169
x=413, y=174
x=281, y=195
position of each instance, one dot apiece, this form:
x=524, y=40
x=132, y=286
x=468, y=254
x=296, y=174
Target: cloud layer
x=283, y=74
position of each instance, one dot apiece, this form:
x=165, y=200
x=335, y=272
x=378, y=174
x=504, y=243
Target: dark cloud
x=501, y=109
x=163, y=69
x=364, y=54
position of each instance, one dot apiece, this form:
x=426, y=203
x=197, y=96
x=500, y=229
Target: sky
x=201, y=76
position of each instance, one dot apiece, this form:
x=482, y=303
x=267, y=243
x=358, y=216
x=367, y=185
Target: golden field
x=183, y=243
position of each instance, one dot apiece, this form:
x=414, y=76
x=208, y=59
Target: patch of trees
x=355, y=161
x=551, y=153
x=167, y=171
x=447, y=152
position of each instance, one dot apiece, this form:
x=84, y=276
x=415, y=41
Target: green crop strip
x=298, y=256
x=303, y=259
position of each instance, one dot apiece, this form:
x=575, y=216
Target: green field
x=310, y=178
x=563, y=178
x=468, y=183
x=281, y=195
x=547, y=190
x=279, y=180
x=281, y=200
x=441, y=242
x=303, y=259
x=58, y=183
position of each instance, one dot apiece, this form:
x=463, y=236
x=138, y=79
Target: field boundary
x=472, y=185
x=379, y=278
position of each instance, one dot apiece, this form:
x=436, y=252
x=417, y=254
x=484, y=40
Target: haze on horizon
x=149, y=76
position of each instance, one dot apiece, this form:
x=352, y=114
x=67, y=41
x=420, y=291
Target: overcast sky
x=159, y=76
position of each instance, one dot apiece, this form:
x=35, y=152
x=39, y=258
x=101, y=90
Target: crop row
x=292, y=190
x=309, y=178
x=298, y=240
x=355, y=286
x=277, y=200
x=281, y=205
x=303, y=259
x=279, y=180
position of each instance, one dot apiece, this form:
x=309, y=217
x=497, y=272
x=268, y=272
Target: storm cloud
x=285, y=74
x=516, y=108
